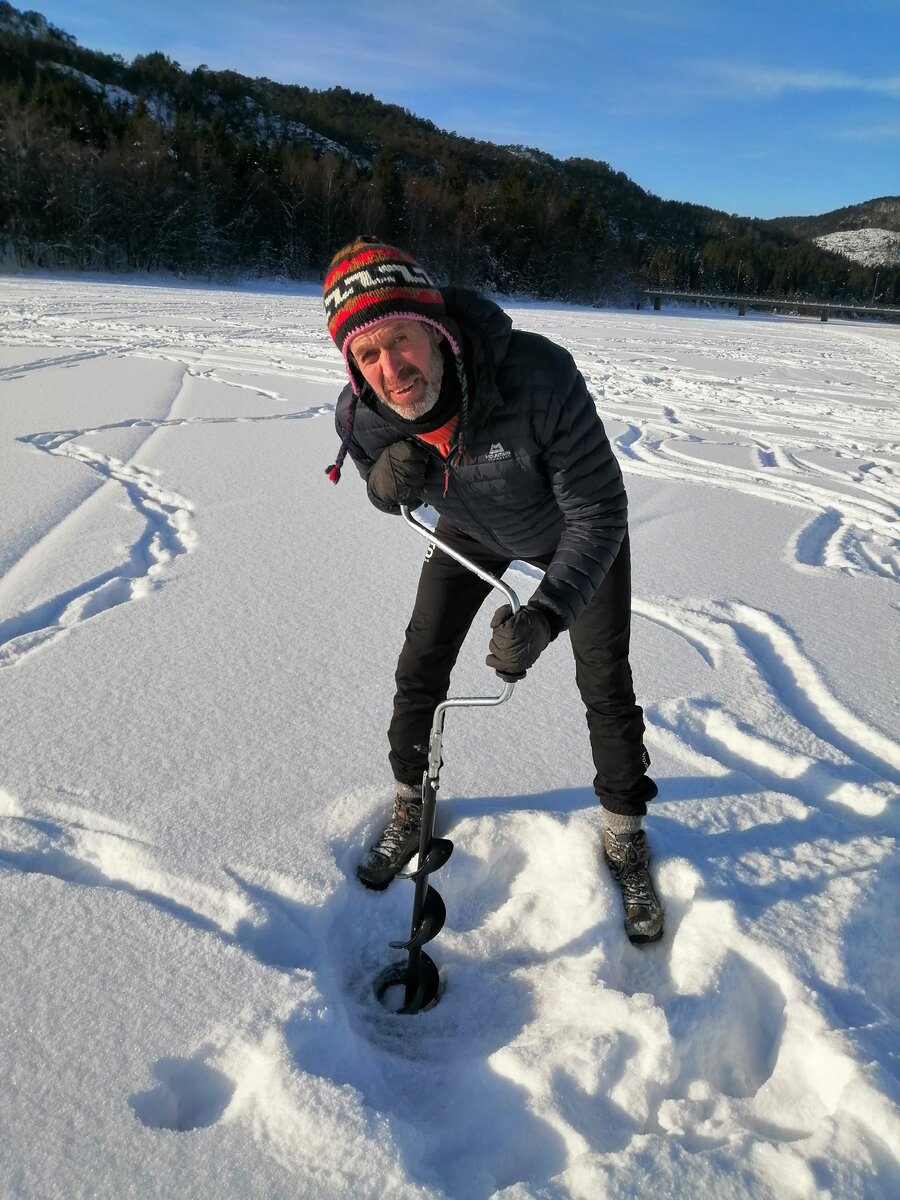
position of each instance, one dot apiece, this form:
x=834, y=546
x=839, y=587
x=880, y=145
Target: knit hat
x=368, y=282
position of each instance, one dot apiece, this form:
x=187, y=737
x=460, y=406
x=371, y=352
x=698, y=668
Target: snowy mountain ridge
x=869, y=247
x=116, y=96
x=882, y=212
x=267, y=127
x=29, y=24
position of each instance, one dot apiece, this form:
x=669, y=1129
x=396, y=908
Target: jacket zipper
x=447, y=474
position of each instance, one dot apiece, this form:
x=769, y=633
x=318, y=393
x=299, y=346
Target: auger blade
x=438, y=853
x=424, y=989
x=431, y=922
x=420, y=981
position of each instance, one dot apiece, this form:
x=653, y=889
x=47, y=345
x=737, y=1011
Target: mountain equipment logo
x=497, y=453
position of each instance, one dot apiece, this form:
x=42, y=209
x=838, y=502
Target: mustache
x=406, y=375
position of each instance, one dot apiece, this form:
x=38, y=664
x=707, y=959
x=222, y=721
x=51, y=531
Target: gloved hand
x=398, y=476
x=518, y=641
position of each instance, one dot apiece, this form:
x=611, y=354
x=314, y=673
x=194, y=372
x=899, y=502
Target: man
x=494, y=428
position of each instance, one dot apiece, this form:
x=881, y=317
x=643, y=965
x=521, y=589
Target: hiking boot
x=628, y=858
x=396, y=846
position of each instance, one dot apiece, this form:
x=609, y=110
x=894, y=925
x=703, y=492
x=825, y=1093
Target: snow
x=871, y=247
x=198, y=635
x=115, y=96
x=272, y=128
x=267, y=127
x=29, y=24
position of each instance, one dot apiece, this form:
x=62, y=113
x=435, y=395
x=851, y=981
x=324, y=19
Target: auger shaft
x=413, y=965
x=420, y=978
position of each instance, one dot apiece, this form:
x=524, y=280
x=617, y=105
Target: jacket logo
x=497, y=454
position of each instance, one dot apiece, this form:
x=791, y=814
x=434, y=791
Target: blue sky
x=758, y=107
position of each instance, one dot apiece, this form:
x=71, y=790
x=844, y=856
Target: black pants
x=447, y=600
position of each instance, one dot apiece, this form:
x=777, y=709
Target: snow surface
x=871, y=247
x=199, y=634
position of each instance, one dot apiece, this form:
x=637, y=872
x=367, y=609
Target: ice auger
x=418, y=974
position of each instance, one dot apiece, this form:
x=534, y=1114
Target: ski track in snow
x=673, y=417
x=710, y=1039
x=843, y=760
x=855, y=522
x=168, y=525
x=168, y=533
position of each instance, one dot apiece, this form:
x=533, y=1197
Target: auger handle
x=427, y=532
x=422, y=979
x=437, y=728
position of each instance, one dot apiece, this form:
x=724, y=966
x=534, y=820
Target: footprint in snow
x=189, y=1094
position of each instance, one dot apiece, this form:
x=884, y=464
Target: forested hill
x=115, y=165
x=882, y=213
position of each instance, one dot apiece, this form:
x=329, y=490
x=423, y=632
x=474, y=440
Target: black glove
x=518, y=641
x=398, y=476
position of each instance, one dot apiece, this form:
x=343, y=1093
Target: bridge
x=819, y=308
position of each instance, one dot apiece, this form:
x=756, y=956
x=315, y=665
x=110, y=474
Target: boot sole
x=644, y=939
x=376, y=885
x=378, y=882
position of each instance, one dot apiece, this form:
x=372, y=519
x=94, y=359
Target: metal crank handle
x=427, y=532
x=434, y=746
x=512, y=599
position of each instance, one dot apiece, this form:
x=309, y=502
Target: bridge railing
x=823, y=309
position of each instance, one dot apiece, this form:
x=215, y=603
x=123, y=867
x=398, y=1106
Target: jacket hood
x=486, y=332
x=487, y=325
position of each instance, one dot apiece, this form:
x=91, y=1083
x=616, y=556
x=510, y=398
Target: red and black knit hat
x=369, y=282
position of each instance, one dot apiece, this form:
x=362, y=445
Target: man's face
x=401, y=362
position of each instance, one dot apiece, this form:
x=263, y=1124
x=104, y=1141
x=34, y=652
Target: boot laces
x=637, y=889
x=629, y=866
x=406, y=823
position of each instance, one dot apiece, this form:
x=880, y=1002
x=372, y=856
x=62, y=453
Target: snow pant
x=447, y=600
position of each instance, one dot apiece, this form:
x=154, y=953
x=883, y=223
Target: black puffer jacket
x=539, y=478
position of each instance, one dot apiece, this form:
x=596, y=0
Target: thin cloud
x=748, y=80
x=371, y=57
x=384, y=52
x=885, y=131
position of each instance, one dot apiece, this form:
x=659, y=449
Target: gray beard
x=433, y=382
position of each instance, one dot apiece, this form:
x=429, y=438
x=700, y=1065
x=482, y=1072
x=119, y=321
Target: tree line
x=210, y=173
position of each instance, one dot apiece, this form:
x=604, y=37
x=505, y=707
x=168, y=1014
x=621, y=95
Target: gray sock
x=619, y=823
x=408, y=791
